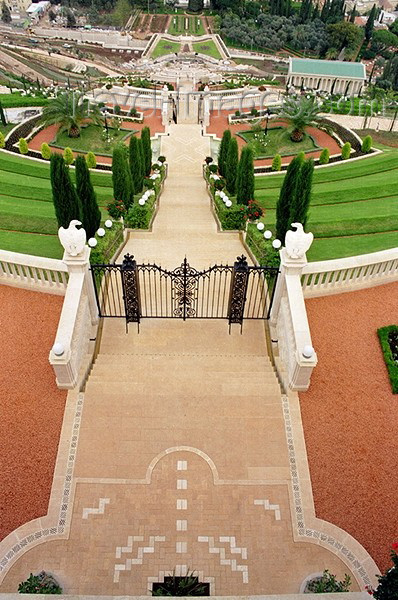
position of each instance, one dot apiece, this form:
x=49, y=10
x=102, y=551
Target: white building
x=334, y=76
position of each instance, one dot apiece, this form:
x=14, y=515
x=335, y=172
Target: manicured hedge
x=384, y=334
x=16, y=100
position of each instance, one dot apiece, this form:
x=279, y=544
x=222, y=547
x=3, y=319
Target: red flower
x=395, y=546
x=369, y=590
x=256, y=214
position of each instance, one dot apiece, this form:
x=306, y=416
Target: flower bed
x=388, y=337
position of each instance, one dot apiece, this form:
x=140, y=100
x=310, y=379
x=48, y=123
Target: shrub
x=388, y=337
x=68, y=156
x=253, y=211
x=45, y=151
x=388, y=583
x=107, y=245
x=116, y=209
x=23, y=146
x=2, y=140
x=213, y=168
x=156, y=167
x=133, y=112
x=232, y=218
x=329, y=583
x=367, y=144
x=219, y=184
x=277, y=163
x=162, y=159
x=346, y=151
x=117, y=109
x=138, y=217
x=237, y=113
x=43, y=583
x=91, y=160
x=208, y=160
x=109, y=86
x=254, y=112
x=324, y=157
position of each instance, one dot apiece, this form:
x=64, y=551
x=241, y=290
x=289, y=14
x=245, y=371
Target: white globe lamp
x=228, y=203
x=92, y=242
x=141, y=201
x=108, y=223
x=260, y=226
x=101, y=232
x=276, y=244
x=267, y=234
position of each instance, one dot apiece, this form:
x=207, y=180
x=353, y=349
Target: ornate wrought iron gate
x=136, y=292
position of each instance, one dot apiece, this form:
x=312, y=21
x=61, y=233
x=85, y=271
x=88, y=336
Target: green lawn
x=165, y=47
x=93, y=138
x=354, y=206
x=207, y=47
x=178, y=25
x=27, y=217
x=6, y=128
x=276, y=141
x=15, y=99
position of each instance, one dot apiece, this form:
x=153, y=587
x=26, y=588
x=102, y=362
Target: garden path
x=175, y=456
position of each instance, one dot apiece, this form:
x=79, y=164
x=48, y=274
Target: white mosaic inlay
x=182, y=504
x=182, y=465
x=268, y=506
x=182, y=484
x=181, y=524
x=96, y=511
x=233, y=549
x=181, y=547
x=139, y=558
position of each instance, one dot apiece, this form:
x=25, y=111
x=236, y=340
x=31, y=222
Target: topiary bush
x=367, y=144
x=23, y=146
x=2, y=140
x=162, y=159
x=133, y=112
x=254, y=112
x=138, y=217
x=388, y=337
x=68, y=156
x=324, y=157
x=45, y=151
x=208, y=160
x=91, y=160
x=43, y=583
x=213, y=168
x=277, y=163
x=346, y=151
x=237, y=113
x=117, y=109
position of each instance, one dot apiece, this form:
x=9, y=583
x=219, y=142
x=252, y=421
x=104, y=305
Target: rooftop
x=334, y=68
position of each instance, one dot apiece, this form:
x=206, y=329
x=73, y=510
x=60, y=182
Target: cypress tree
x=146, y=146
x=121, y=177
x=353, y=14
x=245, y=177
x=232, y=165
x=370, y=23
x=325, y=11
x=223, y=151
x=286, y=197
x=66, y=201
x=135, y=164
x=91, y=214
x=315, y=13
x=142, y=165
x=2, y=116
x=299, y=206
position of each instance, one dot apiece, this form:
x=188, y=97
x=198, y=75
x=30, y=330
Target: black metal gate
x=136, y=292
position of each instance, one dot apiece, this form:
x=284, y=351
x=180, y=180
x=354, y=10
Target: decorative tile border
x=298, y=514
x=58, y=530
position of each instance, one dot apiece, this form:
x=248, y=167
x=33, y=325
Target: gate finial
x=128, y=261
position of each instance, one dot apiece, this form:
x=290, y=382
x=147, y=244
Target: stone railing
x=349, y=274
x=33, y=272
x=294, y=355
x=77, y=323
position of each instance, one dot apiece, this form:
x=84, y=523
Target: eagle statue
x=72, y=239
x=297, y=242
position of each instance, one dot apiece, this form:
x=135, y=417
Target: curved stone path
x=182, y=453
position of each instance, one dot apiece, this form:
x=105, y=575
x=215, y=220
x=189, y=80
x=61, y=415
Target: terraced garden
x=27, y=218
x=207, y=47
x=165, y=47
x=354, y=207
x=182, y=24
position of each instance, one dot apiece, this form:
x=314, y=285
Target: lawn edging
x=391, y=363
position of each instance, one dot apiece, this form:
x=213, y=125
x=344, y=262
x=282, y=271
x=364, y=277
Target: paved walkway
x=182, y=453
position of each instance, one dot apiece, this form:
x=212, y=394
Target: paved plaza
x=182, y=453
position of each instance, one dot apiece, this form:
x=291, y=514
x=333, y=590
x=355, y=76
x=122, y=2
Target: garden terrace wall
x=349, y=274
x=21, y=130
x=344, y=133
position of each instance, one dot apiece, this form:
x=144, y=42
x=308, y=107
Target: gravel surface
x=31, y=405
x=350, y=418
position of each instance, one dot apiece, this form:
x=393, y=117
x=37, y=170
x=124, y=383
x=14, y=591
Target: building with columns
x=337, y=77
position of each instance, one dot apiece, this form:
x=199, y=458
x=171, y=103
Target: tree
x=91, y=214
x=195, y=5
x=344, y=35
x=301, y=200
x=135, y=164
x=51, y=15
x=23, y=146
x=353, y=13
x=45, y=151
x=68, y=156
x=346, y=151
x=277, y=163
x=370, y=23
x=324, y=157
x=68, y=110
x=231, y=165
x=91, y=160
x=286, y=197
x=383, y=39
x=245, y=177
x=5, y=13
x=65, y=198
x=141, y=163
x=388, y=583
x=300, y=112
x=147, y=150
x=70, y=18
x=223, y=151
x=121, y=177
x=2, y=116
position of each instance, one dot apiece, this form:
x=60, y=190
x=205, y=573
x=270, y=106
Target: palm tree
x=300, y=112
x=68, y=110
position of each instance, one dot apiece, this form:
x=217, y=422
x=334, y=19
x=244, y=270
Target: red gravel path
x=153, y=120
x=350, y=418
x=31, y=406
x=219, y=122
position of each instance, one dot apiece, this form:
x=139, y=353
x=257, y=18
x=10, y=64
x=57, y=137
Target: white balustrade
x=37, y=273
